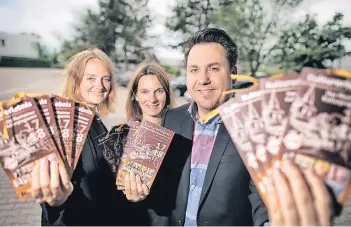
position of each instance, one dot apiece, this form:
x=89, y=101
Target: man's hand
x=135, y=191
x=298, y=197
x=50, y=183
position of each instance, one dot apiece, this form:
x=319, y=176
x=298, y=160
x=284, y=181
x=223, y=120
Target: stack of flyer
x=33, y=127
x=303, y=117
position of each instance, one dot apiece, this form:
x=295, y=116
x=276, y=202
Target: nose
x=204, y=78
x=99, y=84
x=153, y=97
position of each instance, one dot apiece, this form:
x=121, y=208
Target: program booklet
x=318, y=134
x=28, y=141
x=149, y=148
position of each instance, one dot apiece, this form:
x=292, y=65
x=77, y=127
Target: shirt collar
x=195, y=116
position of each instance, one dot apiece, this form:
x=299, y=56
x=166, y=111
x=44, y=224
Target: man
x=203, y=180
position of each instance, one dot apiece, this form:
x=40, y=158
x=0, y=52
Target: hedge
x=23, y=62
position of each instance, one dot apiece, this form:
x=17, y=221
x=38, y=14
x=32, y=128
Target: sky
x=53, y=19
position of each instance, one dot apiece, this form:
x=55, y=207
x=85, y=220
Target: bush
x=24, y=62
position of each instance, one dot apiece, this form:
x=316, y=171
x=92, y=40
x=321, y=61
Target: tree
x=189, y=16
x=95, y=29
x=133, y=31
x=118, y=28
x=254, y=25
x=308, y=45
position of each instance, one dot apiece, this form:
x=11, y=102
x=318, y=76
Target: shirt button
x=203, y=148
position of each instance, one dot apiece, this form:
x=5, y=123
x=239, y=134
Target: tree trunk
x=125, y=57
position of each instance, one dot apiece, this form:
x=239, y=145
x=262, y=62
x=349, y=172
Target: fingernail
x=43, y=160
x=138, y=177
x=35, y=169
x=276, y=175
x=277, y=164
x=269, y=186
x=286, y=165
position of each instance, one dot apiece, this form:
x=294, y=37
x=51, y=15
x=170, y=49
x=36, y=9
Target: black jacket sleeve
x=157, y=200
x=259, y=210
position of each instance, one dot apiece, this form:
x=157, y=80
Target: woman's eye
x=161, y=91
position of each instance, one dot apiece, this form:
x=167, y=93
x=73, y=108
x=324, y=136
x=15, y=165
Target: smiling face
x=208, y=76
x=151, y=96
x=96, y=83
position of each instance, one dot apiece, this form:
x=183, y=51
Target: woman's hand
x=135, y=190
x=298, y=197
x=50, y=183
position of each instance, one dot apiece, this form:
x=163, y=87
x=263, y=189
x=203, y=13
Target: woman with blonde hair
x=150, y=93
x=90, y=197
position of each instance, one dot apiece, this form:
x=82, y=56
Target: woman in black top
x=90, y=197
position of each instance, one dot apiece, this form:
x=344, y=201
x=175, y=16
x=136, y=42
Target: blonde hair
x=74, y=73
x=133, y=110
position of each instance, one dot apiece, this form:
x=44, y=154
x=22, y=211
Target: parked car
x=178, y=85
x=241, y=84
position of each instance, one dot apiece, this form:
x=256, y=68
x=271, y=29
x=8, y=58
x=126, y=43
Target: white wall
x=18, y=45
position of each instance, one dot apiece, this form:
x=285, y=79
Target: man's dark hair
x=214, y=35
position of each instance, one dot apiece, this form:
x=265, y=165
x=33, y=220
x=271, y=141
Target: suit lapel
x=187, y=132
x=221, y=142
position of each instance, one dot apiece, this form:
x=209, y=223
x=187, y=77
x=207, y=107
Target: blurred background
x=37, y=37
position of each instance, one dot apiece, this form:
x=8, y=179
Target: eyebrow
x=145, y=89
x=93, y=74
x=208, y=65
x=212, y=64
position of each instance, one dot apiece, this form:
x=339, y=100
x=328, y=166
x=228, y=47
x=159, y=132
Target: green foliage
x=310, y=45
x=172, y=70
x=118, y=28
x=24, y=62
x=189, y=16
x=254, y=27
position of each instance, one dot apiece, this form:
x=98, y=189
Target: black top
x=95, y=199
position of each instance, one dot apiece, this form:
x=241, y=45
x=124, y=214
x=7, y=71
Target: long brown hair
x=133, y=110
x=74, y=73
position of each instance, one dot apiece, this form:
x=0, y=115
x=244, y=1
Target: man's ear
x=234, y=70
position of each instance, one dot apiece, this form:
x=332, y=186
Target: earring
x=136, y=99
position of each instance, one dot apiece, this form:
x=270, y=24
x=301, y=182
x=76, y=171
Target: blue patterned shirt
x=203, y=141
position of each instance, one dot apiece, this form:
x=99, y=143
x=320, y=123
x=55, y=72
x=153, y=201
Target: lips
x=98, y=93
x=153, y=106
x=205, y=90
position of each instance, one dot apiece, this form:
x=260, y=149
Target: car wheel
x=177, y=92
